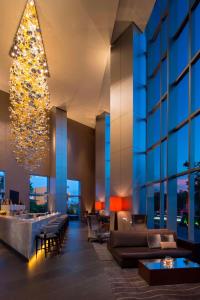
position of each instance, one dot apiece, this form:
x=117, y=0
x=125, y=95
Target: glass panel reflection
x=195, y=91
x=73, y=197
x=38, y=194
x=156, y=191
x=195, y=30
x=182, y=207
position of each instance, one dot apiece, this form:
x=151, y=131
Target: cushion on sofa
x=128, y=239
x=154, y=240
x=168, y=245
x=163, y=232
x=167, y=238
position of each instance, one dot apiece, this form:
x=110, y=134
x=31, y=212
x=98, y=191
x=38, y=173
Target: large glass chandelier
x=29, y=96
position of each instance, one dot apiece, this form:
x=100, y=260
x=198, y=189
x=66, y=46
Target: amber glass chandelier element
x=29, y=95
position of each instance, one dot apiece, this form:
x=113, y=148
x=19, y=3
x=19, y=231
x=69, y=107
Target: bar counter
x=19, y=232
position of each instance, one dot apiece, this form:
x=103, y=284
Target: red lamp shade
x=120, y=203
x=99, y=205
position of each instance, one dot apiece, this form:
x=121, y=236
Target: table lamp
x=99, y=205
x=117, y=204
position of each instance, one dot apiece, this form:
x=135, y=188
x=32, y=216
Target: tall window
x=2, y=185
x=73, y=197
x=173, y=117
x=38, y=196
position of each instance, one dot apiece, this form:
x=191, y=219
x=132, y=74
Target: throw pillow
x=154, y=240
x=168, y=245
x=167, y=238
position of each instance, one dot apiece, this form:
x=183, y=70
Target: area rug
x=126, y=284
x=102, y=252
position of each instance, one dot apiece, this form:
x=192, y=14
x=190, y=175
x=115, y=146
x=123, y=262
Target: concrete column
x=58, y=179
x=121, y=115
x=127, y=113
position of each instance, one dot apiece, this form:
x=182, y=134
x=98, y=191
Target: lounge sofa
x=129, y=247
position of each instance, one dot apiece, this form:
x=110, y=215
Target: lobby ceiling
x=77, y=35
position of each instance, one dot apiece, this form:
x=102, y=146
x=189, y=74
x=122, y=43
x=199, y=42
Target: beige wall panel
x=126, y=72
x=126, y=172
x=115, y=84
x=81, y=160
x=127, y=130
x=126, y=96
x=115, y=174
x=115, y=138
x=100, y=190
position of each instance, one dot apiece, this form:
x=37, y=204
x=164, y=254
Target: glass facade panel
x=73, y=197
x=195, y=142
x=164, y=77
x=153, y=206
x=73, y=188
x=195, y=30
x=178, y=103
x=164, y=159
x=195, y=92
x=154, y=20
x=179, y=54
x=156, y=193
x=164, y=118
x=195, y=199
x=163, y=7
x=2, y=185
x=164, y=37
x=165, y=203
x=182, y=149
x=153, y=164
x=178, y=11
x=170, y=164
x=182, y=207
x=38, y=194
x=154, y=128
x=153, y=91
x=178, y=151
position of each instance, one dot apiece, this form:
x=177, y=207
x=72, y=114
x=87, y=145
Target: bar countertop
x=19, y=232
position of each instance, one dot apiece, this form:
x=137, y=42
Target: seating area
x=128, y=248
x=100, y=149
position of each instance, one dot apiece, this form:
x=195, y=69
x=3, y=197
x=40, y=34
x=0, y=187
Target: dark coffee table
x=182, y=271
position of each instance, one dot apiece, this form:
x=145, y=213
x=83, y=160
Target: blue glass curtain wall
x=173, y=117
x=139, y=122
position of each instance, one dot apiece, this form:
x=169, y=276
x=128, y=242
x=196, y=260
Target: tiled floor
x=75, y=274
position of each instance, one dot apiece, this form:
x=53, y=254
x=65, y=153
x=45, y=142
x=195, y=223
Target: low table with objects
x=156, y=272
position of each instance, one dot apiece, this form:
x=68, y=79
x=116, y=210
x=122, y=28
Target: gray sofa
x=129, y=247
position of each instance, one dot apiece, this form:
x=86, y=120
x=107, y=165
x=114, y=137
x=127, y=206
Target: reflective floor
x=75, y=274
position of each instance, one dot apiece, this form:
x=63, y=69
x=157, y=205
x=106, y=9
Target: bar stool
x=48, y=238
